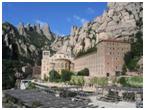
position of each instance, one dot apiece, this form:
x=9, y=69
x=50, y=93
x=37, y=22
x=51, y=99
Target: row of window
x=58, y=65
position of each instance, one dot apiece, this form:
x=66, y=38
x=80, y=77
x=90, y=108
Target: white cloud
x=82, y=20
x=76, y=17
x=41, y=22
x=90, y=10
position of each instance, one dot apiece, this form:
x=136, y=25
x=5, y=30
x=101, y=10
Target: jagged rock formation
x=21, y=29
x=119, y=21
x=46, y=31
x=23, y=45
x=26, y=42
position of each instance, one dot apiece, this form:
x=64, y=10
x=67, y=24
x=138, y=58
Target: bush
x=31, y=86
x=131, y=58
x=84, y=72
x=100, y=81
x=124, y=69
x=133, y=81
x=122, y=81
x=45, y=78
x=54, y=76
x=131, y=61
x=90, y=50
x=77, y=80
x=8, y=73
x=66, y=75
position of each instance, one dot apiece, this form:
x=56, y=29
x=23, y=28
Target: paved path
x=120, y=104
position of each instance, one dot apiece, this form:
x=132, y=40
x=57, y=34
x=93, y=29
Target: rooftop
x=114, y=40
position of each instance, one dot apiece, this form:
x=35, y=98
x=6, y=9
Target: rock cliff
x=119, y=21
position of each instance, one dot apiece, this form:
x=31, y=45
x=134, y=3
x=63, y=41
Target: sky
x=59, y=16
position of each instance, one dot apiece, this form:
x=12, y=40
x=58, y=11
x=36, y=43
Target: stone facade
x=36, y=72
x=87, y=61
x=107, y=60
x=57, y=62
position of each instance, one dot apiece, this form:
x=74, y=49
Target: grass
x=132, y=81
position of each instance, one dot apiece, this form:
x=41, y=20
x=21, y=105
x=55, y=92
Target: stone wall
x=106, y=61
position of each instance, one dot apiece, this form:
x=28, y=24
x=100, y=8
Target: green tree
x=8, y=73
x=90, y=50
x=131, y=58
x=31, y=86
x=66, y=75
x=132, y=81
x=77, y=80
x=124, y=69
x=122, y=81
x=54, y=76
x=99, y=81
x=84, y=72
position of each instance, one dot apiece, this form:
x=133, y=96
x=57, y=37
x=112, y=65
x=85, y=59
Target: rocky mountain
x=23, y=45
x=119, y=21
x=25, y=42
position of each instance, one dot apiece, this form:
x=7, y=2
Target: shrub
x=8, y=73
x=31, y=86
x=82, y=53
x=45, y=78
x=100, y=81
x=84, y=72
x=54, y=76
x=124, y=69
x=122, y=81
x=77, y=80
x=66, y=75
x=131, y=58
x=133, y=81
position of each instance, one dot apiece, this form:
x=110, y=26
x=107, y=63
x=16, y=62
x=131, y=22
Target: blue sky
x=60, y=16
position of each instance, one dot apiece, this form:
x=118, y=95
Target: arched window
x=65, y=65
x=62, y=65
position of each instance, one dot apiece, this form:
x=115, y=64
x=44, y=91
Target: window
x=107, y=74
x=62, y=65
x=46, y=53
x=65, y=65
x=117, y=73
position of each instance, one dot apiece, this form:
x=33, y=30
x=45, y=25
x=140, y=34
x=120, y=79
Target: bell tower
x=44, y=63
x=46, y=54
